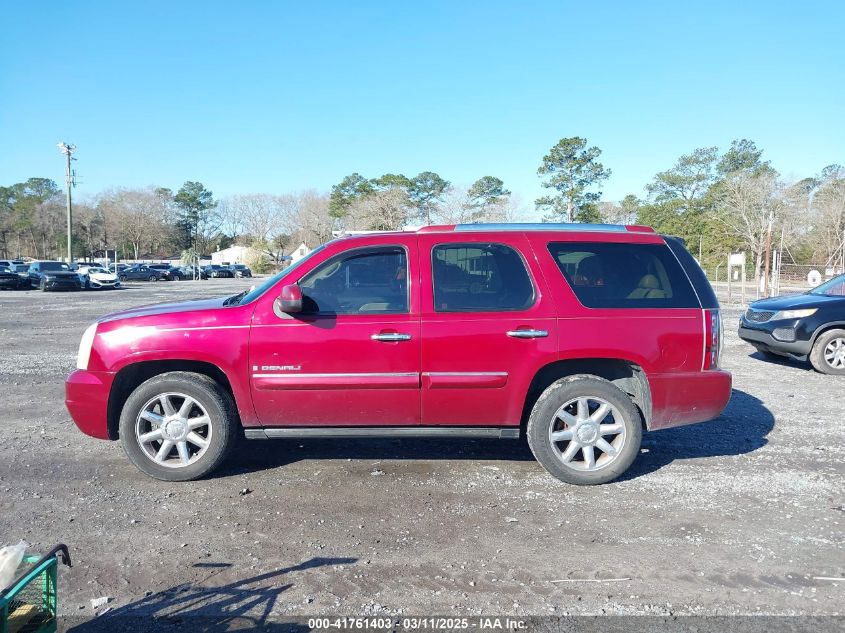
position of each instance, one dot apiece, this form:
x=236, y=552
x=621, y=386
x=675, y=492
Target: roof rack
x=551, y=226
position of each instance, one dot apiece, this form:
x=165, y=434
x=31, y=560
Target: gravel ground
x=742, y=515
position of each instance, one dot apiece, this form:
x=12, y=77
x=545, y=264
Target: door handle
x=390, y=337
x=527, y=333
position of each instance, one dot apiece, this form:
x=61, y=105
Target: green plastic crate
x=28, y=605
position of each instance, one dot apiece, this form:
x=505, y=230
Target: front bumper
x=62, y=284
x=87, y=400
x=94, y=283
x=761, y=336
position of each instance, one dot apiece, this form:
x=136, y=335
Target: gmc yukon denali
x=578, y=337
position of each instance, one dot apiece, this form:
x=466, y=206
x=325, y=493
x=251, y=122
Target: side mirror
x=290, y=299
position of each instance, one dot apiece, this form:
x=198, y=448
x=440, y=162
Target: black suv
x=215, y=270
x=48, y=275
x=809, y=326
x=240, y=270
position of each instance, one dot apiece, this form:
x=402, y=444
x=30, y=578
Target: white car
x=96, y=277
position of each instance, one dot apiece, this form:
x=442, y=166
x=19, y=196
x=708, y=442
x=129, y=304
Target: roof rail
x=553, y=226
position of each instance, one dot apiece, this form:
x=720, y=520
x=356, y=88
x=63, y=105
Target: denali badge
x=281, y=367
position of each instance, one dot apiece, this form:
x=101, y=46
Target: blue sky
x=274, y=96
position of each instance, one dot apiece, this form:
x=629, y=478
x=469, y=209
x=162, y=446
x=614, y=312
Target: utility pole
x=70, y=181
x=768, y=254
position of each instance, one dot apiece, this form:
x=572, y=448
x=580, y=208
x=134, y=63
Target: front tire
x=828, y=353
x=178, y=426
x=585, y=431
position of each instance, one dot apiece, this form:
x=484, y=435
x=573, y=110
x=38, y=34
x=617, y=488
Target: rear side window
x=624, y=275
x=479, y=278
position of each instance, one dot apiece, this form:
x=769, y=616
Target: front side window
x=365, y=281
x=479, y=278
x=624, y=275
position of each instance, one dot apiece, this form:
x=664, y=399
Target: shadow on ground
x=742, y=428
x=782, y=361
x=240, y=605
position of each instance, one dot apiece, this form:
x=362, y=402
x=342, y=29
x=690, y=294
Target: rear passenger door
x=488, y=324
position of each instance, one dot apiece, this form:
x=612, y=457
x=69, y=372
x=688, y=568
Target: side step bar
x=496, y=432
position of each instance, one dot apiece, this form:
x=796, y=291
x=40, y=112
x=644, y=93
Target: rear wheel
x=583, y=430
x=828, y=353
x=122, y=277
x=153, y=278
x=178, y=426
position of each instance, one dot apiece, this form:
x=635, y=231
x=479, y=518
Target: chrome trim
x=388, y=431
x=527, y=333
x=390, y=337
x=465, y=373
x=350, y=375
x=540, y=226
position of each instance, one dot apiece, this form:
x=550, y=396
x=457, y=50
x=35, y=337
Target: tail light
x=714, y=341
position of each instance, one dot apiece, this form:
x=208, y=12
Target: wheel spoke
x=601, y=413
x=164, y=451
x=606, y=446
x=195, y=423
x=151, y=416
x=566, y=417
x=570, y=451
x=583, y=409
x=182, y=448
x=166, y=405
x=185, y=409
x=197, y=440
x=146, y=438
x=589, y=456
x=560, y=436
x=610, y=429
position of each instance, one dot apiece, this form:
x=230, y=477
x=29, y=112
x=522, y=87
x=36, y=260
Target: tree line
x=718, y=201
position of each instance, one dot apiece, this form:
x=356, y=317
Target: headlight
x=794, y=314
x=85, y=347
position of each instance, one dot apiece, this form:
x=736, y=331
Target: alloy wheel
x=834, y=353
x=173, y=430
x=587, y=433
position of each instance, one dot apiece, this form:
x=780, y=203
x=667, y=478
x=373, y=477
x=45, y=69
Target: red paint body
x=455, y=368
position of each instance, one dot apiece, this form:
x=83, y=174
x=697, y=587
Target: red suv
x=578, y=336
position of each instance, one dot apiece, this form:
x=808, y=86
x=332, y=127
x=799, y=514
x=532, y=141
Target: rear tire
x=584, y=430
x=193, y=439
x=828, y=353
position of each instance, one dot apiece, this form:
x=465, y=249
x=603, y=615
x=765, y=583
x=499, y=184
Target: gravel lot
x=743, y=515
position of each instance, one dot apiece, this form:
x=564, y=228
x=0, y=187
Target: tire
x=153, y=278
x=122, y=277
x=567, y=459
x=42, y=286
x=177, y=277
x=828, y=353
x=220, y=430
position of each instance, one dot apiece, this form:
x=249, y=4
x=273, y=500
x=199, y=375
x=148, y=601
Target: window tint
x=609, y=275
x=479, y=278
x=370, y=281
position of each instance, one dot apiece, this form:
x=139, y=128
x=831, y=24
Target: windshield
x=53, y=266
x=21, y=268
x=94, y=269
x=832, y=288
x=257, y=291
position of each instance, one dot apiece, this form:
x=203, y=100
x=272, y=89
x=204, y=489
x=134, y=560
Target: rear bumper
x=87, y=400
x=763, y=339
x=679, y=399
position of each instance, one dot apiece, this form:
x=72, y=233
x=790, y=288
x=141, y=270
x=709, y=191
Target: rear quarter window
x=624, y=275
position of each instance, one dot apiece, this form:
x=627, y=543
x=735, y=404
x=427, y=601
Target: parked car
x=194, y=272
x=577, y=336
x=118, y=268
x=98, y=277
x=11, y=263
x=11, y=280
x=809, y=326
x=23, y=272
x=216, y=270
x=140, y=271
x=240, y=270
x=169, y=272
x=52, y=275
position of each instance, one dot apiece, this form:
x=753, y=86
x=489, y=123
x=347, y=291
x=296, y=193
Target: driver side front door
x=352, y=357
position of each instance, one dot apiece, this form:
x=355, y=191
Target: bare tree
x=139, y=217
x=751, y=206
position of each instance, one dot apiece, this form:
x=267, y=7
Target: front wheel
x=178, y=426
x=583, y=430
x=122, y=277
x=828, y=353
x=153, y=278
